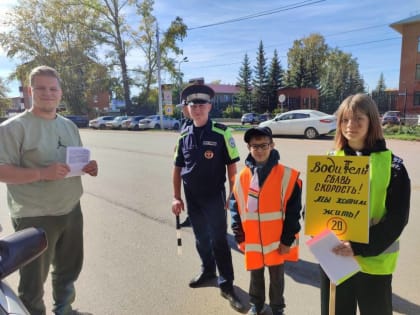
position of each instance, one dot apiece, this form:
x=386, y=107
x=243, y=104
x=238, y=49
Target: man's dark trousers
x=64, y=252
x=208, y=219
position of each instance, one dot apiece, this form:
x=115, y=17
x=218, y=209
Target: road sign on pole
x=282, y=98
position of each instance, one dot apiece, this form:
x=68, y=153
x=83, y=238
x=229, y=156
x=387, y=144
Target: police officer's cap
x=257, y=131
x=197, y=92
x=182, y=104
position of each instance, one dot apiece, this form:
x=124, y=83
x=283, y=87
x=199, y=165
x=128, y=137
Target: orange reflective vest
x=264, y=227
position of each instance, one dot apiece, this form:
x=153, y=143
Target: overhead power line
x=370, y=42
x=259, y=14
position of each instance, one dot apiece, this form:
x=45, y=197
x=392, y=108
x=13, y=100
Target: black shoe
x=234, y=301
x=277, y=311
x=186, y=222
x=201, y=279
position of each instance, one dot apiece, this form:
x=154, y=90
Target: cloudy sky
x=222, y=32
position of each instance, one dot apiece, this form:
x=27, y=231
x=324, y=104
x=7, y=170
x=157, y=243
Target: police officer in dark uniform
x=205, y=150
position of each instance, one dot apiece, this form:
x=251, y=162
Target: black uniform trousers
x=208, y=220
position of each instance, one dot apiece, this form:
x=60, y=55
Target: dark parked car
x=250, y=118
x=264, y=117
x=81, y=121
x=392, y=117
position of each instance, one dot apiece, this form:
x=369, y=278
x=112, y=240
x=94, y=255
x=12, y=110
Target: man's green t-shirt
x=32, y=142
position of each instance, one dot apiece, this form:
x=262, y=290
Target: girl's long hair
x=359, y=103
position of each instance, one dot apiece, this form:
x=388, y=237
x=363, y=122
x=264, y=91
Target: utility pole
x=158, y=76
x=405, y=103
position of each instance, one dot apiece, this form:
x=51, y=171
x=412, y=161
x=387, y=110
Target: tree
x=381, y=87
x=145, y=38
x=260, y=81
x=275, y=75
x=113, y=30
x=54, y=34
x=305, y=60
x=379, y=94
x=3, y=89
x=340, y=79
x=4, y=101
x=244, y=98
x=295, y=76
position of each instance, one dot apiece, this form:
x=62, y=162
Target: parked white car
x=100, y=122
x=302, y=122
x=153, y=122
x=116, y=122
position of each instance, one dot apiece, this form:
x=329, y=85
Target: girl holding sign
x=359, y=132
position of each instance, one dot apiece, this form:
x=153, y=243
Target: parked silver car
x=153, y=122
x=132, y=122
x=116, y=122
x=100, y=122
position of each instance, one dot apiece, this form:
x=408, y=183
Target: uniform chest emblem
x=208, y=154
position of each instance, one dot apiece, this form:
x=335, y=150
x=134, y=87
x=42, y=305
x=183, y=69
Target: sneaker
x=277, y=311
x=234, y=301
x=255, y=311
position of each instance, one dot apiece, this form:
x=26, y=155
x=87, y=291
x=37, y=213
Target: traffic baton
x=178, y=235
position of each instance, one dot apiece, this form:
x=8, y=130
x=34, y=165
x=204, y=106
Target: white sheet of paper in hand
x=338, y=268
x=76, y=159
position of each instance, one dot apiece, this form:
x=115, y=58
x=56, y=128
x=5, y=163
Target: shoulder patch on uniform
x=396, y=162
x=220, y=126
x=232, y=142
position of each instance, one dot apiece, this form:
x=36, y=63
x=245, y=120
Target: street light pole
x=185, y=59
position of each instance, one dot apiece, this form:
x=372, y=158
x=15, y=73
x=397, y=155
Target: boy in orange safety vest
x=265, y=210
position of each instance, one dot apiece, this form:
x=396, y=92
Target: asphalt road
x=131, y=262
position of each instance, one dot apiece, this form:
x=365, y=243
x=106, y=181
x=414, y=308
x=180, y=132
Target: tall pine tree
x=260, y=82
x=379, y=94
x=244, y=98
x=275, y=75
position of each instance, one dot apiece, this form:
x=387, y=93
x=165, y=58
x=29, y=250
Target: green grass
x=410, y=133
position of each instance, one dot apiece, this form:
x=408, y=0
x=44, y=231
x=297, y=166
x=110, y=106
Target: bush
x=402, y=132
x=232, y=112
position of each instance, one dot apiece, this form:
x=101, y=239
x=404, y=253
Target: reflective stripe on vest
x=263, y=228
x=380, y=176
